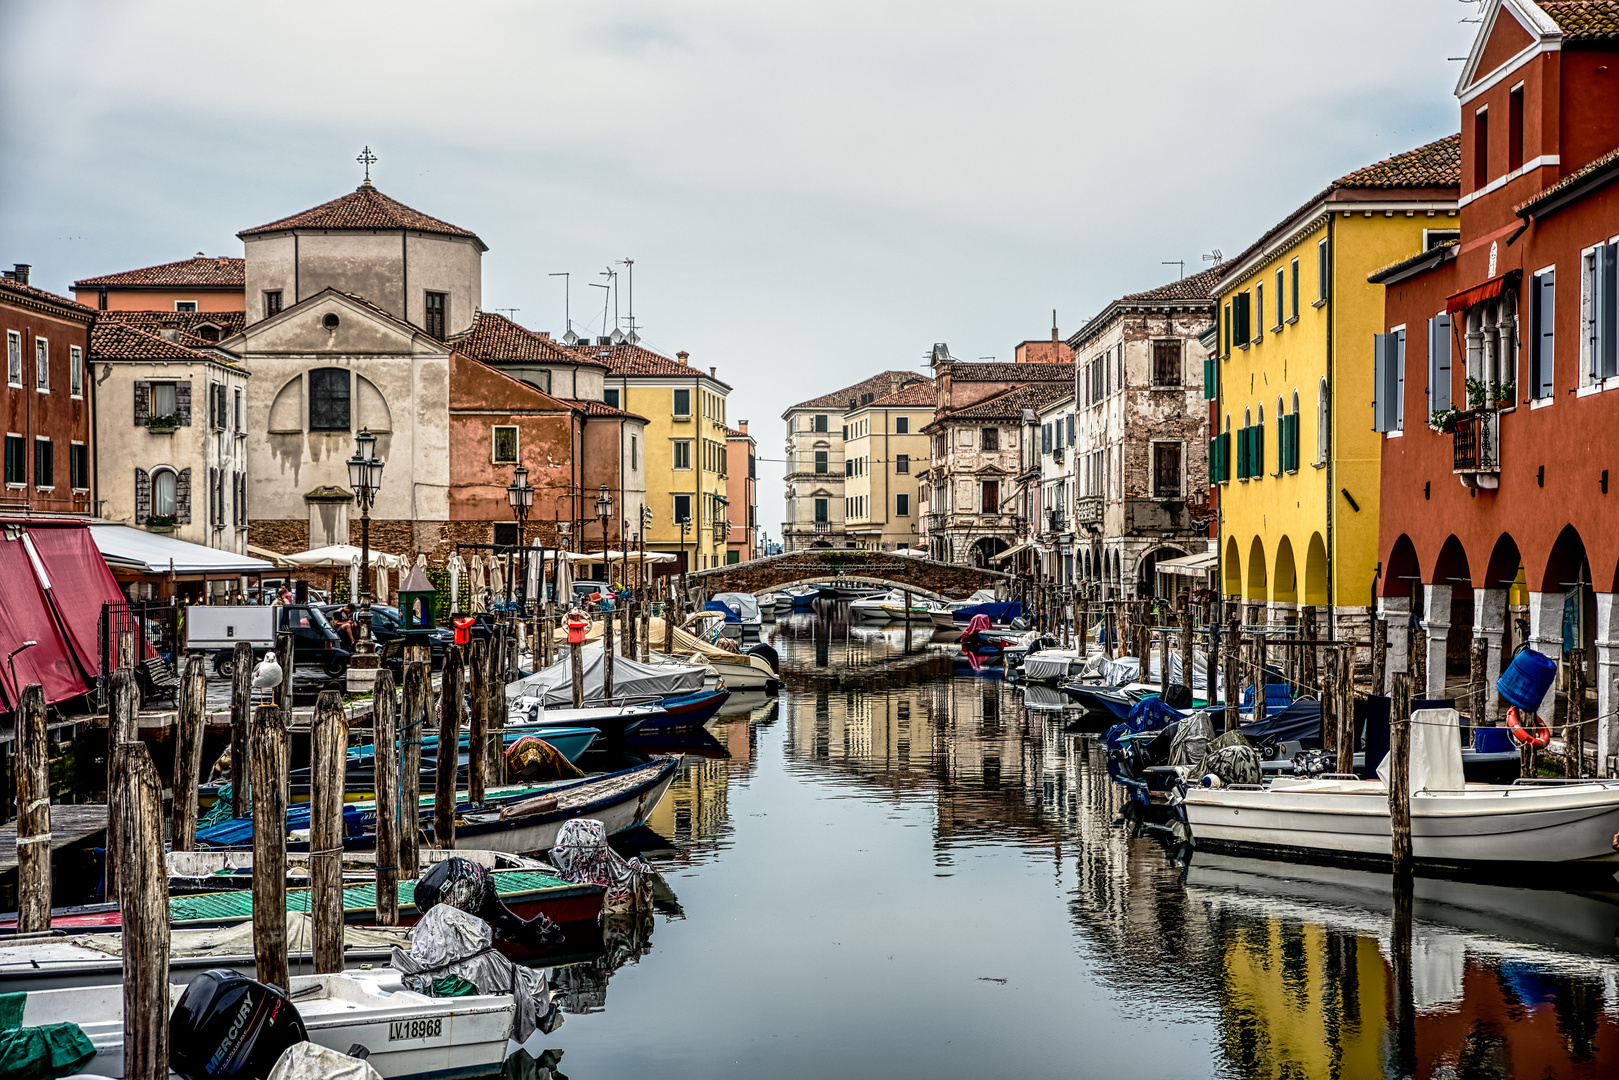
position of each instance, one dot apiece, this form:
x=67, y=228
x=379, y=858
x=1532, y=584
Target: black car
x=387, y=630
x=314, y=641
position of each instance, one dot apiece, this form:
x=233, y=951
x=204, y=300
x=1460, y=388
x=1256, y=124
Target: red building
x=1506, y=340
x=45, y=400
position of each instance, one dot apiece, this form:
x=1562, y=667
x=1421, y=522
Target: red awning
x=25, y=615
x=1478, y=293
x=80, y=584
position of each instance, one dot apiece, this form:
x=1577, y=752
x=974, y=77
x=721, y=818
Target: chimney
x=20, y=275
x=1053, y=324
x=742, y=426
x=545, y=335
x=713, y=373
x=681, y=356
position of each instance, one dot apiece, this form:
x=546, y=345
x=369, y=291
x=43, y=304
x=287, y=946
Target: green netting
x=237, y=905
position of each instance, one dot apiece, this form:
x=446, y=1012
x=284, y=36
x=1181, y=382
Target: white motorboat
x=407, y=1034
x=919, y=609
x=752, y=670
x=874, y=607
x=1050, y=665
x=632, y=681
x=744, y=610
x=1563, y=827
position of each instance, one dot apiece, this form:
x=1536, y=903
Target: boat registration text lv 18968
x=415, y=1029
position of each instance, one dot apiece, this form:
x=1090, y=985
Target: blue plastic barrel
x=1525, y=682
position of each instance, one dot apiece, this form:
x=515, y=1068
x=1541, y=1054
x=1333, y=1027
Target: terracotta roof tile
x=1584, y=20
x=121, y=341
x=1009, y=404
x=999, y=372
x=1607, y=163
x=1439, y=164
x=363, y=208
x=1197, y=287
x=627, y=359
x=601, y=408
x=921, y=394
x=229, y=322
x=880, y=384
x=16, y=289
x=496, y=339
x=203, y=270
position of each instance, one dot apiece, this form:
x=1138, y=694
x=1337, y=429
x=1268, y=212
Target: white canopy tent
x=340, y=557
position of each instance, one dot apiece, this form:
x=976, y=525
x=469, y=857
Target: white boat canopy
x=632, y=681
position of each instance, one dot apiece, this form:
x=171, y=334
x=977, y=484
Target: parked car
x=387, y=629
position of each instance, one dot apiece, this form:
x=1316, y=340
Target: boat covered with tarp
x=633, y=681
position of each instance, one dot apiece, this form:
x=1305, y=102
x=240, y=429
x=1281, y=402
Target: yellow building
x=884, y=453
x=686, y=459
x=1296, y=460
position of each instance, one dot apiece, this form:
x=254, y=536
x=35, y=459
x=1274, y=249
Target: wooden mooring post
x=268, y=754
x=576, y=656
x=33, y=814
x=121, y=728
x=1400, y=773
x=607, y=657
x=415, y=720
x=329, y=739
x=1574, y=731
x=1380, y=653
x=1309, y=673
x=143, y=895
x=1187, y=679
x=385, y=734
x=1330, y=728
x=478, y=729
x=241, y=714
x=188, y=754
x=452, y=700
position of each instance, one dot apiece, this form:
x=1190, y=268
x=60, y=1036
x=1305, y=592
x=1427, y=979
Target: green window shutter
x=1225, y=457
x=1208, y=379
x=1259, y=449
x=1293, y=443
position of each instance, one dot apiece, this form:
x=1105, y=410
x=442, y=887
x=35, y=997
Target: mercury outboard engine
x=229, y=1027
x=769, y=654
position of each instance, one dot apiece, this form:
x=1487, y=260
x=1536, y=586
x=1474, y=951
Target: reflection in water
x=901, y=859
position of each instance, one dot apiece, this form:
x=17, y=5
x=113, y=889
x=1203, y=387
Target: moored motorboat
x=689, y=711
x=1552, y=828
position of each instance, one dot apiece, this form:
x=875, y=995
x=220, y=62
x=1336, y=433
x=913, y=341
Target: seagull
x=267, y=675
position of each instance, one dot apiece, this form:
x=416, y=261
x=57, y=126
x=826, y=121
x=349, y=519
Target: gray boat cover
x=1127, y=669
x=307, y=1061
x=1191, y=741
x=449, y=941
x=633, y=682
x=743, y=605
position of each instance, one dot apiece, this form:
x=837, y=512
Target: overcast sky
x=810, y=192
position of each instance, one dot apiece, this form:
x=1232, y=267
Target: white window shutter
x=1439, y=363
x=1399, y=381
x=1379, y=382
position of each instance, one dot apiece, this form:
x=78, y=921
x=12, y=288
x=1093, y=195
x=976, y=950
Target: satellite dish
x=617, y=337
x=633, y=338
x=570, y=338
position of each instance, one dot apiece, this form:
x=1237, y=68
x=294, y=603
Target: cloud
x=811, y=191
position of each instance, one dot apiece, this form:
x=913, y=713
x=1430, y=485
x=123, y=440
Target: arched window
x=1322, y=427
x=165, y=490
x=1281, y=435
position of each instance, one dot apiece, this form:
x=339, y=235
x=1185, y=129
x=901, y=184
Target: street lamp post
x=604, y=510
x=365, y=477
x=521, y=497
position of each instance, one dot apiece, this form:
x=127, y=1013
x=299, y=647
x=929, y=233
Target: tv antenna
x=606, y=299
x=508, y=310
x=567, y=306
x=1214, y=256
x=1177, y=262
x=629, y=263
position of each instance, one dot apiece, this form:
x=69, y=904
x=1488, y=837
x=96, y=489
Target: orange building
x=741, y=487
x=200, y=283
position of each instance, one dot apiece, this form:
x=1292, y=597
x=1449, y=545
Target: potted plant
x=1445, y=420
x=1502, y=394
x=163, y=424
x=1477, y=392
x=160, y=523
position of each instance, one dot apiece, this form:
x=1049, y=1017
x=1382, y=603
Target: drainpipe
x=1332, y=438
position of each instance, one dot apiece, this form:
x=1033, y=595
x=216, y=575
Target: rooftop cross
x=366, y=158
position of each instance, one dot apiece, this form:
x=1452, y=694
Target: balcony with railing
x=1056, y=521
x=1088, y=510
x=1476, y=442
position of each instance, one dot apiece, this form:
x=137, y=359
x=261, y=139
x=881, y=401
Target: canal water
x=902, y=868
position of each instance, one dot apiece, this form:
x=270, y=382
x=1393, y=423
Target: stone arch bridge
x=846, y=566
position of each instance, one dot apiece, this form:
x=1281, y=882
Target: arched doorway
x=1147, y=567
x=1285, y=581
x=1258, y=591
x=1231, y=570
x=984, y=549
x=1315, y=571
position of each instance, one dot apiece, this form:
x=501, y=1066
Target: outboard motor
x=229, y=1027
x=1177, y=696
x=769, y=654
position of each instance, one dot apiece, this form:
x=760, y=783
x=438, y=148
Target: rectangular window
x=1438, y=363
x=185, y=305
x=13, y=358
x=682, y=509
x=328, y=399
x=42, y=364
x=1602, y=311
x=848, y=467
x=1281, y=291
x=1166, y=470
x=820, y=423
x=1071, y=433
x=990, y=438
x=1227, y=330
x=1259, y=312
x=989, y=496
x=16, y=460
x=437, y=305
x=821, y=510
x=44, y=464
x=236, y=411
x=165, y=400
x=902, y=425
x=1166, y=363
x=1481, y=148
x=272, y=302
x=78, y=466
x=1515, y=129
x=241, y=499
x=75, y=371
x=635, y=452
x=1241, y=329
x=505, y=445
x=1293, y=305
x=902, y=463
x=610, y=397
x=1045, y=438
x=683, y=456
x=682, y=403
x=1321, y=272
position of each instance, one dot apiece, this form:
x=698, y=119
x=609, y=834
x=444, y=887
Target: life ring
x=1536, y=736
